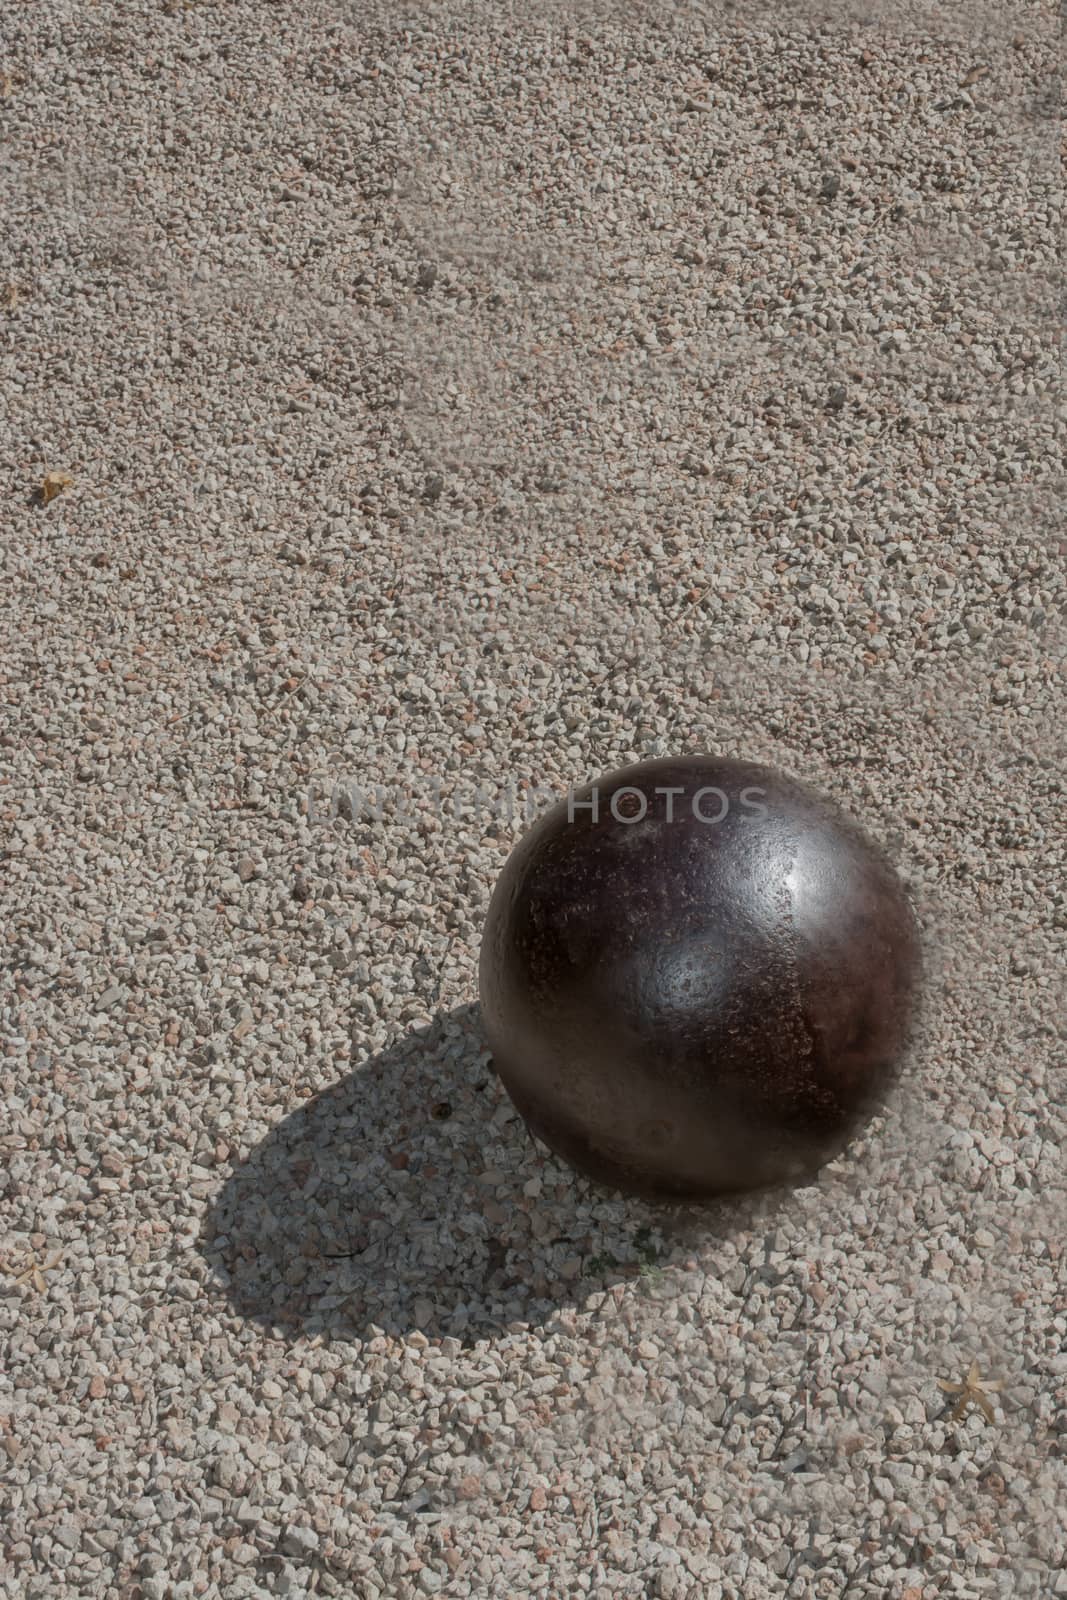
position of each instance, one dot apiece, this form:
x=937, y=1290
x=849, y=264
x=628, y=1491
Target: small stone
x=299, y=1541
x=288, y=1584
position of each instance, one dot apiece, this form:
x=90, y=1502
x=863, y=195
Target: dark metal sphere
x=695, y=992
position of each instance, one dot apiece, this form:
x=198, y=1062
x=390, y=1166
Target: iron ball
x=698, y=976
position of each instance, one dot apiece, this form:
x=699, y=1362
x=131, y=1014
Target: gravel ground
x=474, y=398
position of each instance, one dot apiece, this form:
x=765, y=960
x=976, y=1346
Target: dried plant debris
x=52, y=485
x=973, y=1391
x=30, y=1272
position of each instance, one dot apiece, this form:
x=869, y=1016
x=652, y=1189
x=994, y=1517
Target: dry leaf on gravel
x=34, y=1271
x=974, y=1390
x=54, y=483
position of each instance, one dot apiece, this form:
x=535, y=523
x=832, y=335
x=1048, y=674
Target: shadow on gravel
x=399, y=1198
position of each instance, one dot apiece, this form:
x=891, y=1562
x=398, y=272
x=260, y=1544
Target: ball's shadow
x=410, y=1196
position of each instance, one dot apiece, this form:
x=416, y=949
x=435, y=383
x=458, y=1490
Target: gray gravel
x=481, y=397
